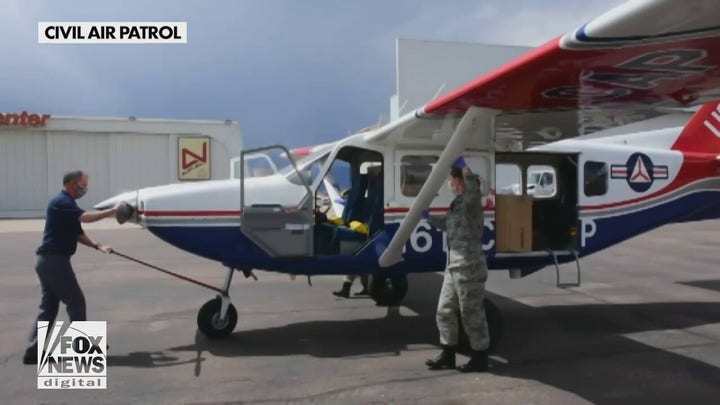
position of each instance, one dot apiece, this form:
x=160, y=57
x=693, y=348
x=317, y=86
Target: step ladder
x=557, y=269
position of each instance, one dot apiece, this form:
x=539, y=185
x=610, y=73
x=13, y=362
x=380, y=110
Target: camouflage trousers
x=463, y=293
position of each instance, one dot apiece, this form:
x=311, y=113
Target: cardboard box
x=513, y=223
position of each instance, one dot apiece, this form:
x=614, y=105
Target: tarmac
x=644, y=327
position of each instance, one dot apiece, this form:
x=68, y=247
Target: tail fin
x=702, y=132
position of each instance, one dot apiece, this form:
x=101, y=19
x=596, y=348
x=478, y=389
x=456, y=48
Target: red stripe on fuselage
x=190, y=213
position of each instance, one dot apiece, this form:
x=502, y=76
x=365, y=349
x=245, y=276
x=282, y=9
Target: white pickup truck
x=540, y=183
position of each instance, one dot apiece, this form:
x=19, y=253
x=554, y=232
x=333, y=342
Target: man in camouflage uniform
x=463, y=288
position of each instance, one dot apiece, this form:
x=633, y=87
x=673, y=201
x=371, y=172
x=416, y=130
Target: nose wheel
x=211, y=320
x=217, y=318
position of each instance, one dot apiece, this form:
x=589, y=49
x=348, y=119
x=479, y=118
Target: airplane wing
x=629, y=64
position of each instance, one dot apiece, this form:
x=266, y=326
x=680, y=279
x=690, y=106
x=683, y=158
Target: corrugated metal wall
x=23, y=170
x=89, y=152
x=138, y=160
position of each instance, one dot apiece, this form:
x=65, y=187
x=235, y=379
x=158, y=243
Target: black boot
x=446, y=359
x=478, y=362
x=344, y=291
x=362, y=292
x=30, y=358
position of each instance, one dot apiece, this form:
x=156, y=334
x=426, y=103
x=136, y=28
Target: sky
x=295, y=72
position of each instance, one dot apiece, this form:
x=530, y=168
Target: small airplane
x=633, y=62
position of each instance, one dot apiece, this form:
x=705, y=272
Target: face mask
x=81, y=190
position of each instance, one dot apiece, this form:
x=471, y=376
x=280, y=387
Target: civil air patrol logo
x=639, y=171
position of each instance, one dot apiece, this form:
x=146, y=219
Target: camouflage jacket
x=464, y=224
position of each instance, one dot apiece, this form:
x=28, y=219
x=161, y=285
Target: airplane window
x=540, y=181
x=595, y=178
x=414, y=170
x=507, y=177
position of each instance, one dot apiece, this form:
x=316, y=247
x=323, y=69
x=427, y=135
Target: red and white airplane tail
x=702, y=132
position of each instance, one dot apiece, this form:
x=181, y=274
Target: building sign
x=24, y=119
x=194, y=158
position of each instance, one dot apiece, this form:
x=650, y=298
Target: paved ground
x=644, y=327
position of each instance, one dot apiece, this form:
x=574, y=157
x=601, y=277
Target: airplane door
x=278, y=216
x=551, y=179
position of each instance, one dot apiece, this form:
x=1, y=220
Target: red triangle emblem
x=189, y=157
x=640, y=173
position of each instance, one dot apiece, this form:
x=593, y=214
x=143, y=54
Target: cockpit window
x=274, y=161
x=310, y=166
x=595, y=178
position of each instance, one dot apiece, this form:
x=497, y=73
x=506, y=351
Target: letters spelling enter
x=109, y=32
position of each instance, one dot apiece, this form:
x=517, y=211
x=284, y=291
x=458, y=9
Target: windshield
x=260, y=164
x=310, y=166
x=273, y=161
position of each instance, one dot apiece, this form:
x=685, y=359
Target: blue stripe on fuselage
x=228, y=245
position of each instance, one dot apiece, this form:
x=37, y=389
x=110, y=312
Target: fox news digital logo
x=72, y=356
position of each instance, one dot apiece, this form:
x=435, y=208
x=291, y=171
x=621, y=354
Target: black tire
x=494, y=320
x=387, y=291
x=208, y=319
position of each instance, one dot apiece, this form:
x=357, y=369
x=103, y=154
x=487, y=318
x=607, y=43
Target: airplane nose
x=126, y=212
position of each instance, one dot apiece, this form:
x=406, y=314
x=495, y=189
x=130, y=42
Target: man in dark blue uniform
x=63, y=231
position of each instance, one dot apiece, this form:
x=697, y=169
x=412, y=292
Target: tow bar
x=180, y=276
x=217, y=317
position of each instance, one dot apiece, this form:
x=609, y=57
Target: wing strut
x=475, y=122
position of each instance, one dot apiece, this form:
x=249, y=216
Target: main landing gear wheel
x=387, y=291
x=494, y=319
x=211, y=324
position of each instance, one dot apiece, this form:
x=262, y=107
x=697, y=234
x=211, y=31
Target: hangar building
x=119, y=154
